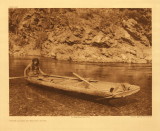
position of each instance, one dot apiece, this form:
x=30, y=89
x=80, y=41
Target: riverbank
x=86, y=53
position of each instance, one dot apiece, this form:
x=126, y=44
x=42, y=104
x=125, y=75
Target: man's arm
x=42, y=72
x=25, y=70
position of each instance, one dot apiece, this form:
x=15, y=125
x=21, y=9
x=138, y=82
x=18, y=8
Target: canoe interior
x=97, y=88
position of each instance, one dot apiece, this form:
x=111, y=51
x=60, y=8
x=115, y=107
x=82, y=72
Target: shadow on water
x=112, y=102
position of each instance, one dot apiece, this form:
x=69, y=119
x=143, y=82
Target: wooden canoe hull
x=99, y=88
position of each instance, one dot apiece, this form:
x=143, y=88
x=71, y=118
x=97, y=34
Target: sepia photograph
x=80, y=61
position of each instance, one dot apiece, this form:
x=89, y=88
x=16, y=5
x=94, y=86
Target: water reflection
x=32, y=97
x=138, y=74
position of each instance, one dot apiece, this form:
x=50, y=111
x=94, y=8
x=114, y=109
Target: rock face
x=91, y=35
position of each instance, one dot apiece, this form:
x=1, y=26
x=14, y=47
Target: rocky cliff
x=91, y=35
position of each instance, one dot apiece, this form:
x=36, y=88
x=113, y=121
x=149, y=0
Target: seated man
x=33, y=69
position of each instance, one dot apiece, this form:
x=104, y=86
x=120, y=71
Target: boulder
x=136, y=31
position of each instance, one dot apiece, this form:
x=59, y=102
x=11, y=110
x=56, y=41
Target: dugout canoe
x=95, y=88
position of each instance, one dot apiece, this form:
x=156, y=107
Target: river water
x=31, y=100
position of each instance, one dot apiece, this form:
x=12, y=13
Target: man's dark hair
x=35, y=59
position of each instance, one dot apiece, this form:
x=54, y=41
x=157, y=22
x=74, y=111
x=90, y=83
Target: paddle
x=17, y=77
x=82, y=79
